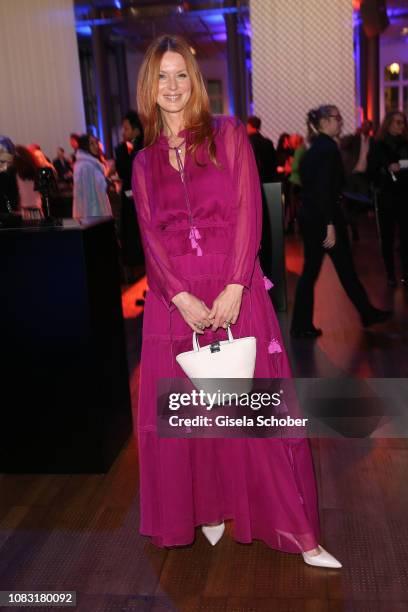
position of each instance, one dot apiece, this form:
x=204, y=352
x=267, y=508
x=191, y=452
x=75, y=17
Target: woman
x=9, y=196
x=388, y=168
x=90, y=197
x=322, y=225
x=284, y=154
x=40, y=159
x=201, y=239
x=26, y=174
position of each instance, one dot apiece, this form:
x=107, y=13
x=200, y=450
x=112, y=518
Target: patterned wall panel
x=302, y=56
x=41, y=98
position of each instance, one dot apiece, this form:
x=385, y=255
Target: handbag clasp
x=215, y=347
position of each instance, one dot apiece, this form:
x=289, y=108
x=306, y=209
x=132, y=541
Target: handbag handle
x=196, y=345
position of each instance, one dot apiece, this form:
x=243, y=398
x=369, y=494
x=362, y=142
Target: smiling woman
x=198, y=201
x=174, y=83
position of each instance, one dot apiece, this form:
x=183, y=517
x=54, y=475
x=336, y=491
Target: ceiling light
x=394, y=68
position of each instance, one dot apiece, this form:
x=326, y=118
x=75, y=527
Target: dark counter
x=65, y=401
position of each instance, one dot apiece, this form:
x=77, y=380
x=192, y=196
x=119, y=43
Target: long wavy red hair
x=197, y=112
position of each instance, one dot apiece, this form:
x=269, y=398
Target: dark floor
x=345, y=348
x=80, y=532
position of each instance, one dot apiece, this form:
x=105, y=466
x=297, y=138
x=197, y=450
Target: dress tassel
x=194, y=237
x=274, y=346
x=268, y=283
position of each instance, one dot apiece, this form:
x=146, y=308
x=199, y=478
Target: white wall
x=41, y=92
x=302, y=57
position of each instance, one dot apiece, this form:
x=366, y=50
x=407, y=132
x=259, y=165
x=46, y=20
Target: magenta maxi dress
x=266, y=486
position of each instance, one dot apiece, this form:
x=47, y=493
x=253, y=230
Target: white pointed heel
x=324, y=559
x=213, y=533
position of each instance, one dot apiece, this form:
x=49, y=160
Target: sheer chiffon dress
x=266, y=486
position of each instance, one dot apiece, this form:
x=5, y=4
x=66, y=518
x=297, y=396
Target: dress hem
x=290, y=549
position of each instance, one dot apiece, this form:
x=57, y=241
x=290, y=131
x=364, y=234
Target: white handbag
x=226, y=359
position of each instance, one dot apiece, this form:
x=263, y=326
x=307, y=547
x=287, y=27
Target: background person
x=322, y=225
x=9, y=196
x=265, y=157
x=284, y=154
x=264, y=151
x=26, y=174
x=90, y=196
x=292, y=201
x=125, y=153
x=354, y=150
x=73, y=141
x=62, y=166
x=388, y=169
x=41, y=160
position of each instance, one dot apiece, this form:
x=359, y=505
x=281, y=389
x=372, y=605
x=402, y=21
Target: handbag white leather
x=227, y=359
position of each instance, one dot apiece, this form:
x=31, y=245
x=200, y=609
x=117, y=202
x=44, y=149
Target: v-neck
x=163, y=143
x=183, y=161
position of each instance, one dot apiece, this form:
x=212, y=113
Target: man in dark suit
x=62, y=166
x=264, y=151
x=266, y=161
x=132, y=251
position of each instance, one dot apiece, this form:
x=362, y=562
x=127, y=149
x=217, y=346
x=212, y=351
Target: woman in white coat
x=90, y=197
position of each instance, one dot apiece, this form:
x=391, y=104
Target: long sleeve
x=161, y=274
x=104, y=207
x=326, y=186
x=247, y=209
x=90, y=197
x=80, y=191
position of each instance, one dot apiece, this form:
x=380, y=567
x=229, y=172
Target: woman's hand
x=330, y=239
x=194, y=311
x=394, y=167
x=226, y=307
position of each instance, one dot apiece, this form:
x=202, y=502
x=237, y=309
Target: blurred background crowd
x=84, y=183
